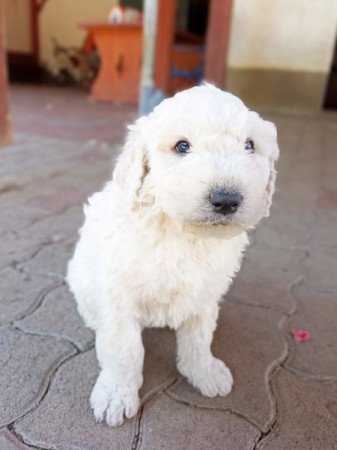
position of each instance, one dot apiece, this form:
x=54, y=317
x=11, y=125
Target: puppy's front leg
x=120, y=353
x=195, y=360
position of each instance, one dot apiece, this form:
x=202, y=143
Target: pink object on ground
x=301, y=335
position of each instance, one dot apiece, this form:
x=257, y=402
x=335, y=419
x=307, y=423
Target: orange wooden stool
x=120, y=49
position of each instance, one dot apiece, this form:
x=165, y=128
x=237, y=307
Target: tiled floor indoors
x=285, y=393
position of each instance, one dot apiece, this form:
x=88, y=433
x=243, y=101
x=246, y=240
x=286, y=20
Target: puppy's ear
x=270, y=187
x=132, y=164
x=271, y=134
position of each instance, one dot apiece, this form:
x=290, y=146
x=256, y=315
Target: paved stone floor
x=285, y=393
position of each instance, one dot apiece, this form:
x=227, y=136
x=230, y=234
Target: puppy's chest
x=179, y=282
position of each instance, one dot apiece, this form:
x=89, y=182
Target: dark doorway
x=331, y=92
x=188, y=51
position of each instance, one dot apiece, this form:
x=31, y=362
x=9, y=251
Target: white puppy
x=163, y=240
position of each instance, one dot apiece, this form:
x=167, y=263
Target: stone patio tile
x=21, y=293
x=48, y=154
x=292, y=212
x=43, y=183
x=64, y=419
x=59, y=200
x=283, y=229
x=289, y=222
x=248, y=340
x=322, y=245
x=51, y=260
x=27, y=364
x=320, y=266
x=93, y=154
x=57, y=227
x=300, y=154
x=329, y=180
x=16, y=215
x=20, y=245
x=9, y=442
x=15, y=248
x=57, y=316
x=42, y=197
x=299, y=179
x=23, y=169
x=317, y=313
x=42, y=111
x=323, y=234
x=159, y=362
x=307, y=414
x=167, y=424
x=63, y=192
x=266, y=275
x=305, y=172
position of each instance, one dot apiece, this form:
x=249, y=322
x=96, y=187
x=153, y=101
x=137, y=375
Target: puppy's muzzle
x=225, y=201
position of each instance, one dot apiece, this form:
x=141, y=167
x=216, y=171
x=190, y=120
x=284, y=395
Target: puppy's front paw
x=114, y=401
x=216, y=379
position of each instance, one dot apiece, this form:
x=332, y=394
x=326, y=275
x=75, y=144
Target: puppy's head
x=203, y=158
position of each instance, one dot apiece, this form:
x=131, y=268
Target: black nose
x=224, y=201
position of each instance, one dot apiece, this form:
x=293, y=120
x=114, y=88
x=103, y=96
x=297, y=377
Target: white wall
x=296, y=35
x=60, y=19
x=17, y=18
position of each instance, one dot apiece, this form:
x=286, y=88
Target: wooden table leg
x=5, y=135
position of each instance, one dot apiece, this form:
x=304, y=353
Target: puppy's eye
x=182, y=147
x=249, y=145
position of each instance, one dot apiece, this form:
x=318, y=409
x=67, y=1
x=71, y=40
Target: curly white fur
x=153, y=252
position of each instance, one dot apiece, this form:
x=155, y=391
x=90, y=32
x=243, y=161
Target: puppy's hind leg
x=195, y=360
x=120, y=353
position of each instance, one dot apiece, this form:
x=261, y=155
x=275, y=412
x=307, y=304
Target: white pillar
x=149, y=95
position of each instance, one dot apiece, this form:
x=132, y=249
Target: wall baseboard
x=23, y=67
x=278, y=90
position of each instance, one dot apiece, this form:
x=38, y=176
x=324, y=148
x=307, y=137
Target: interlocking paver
x=248, y=340
x=320, y=265
x=329, y=155
x=284, y=391
x=18, y=246
x=54, y=182
x=19, y=217
x=282, y=230
x=15, y=248
x=300, y=175
x=51, y=259
x=307, y=414
x=21, y=293
x=170, y=425
x=64, y=419
x=49, y=155
x=67, y=114
x=57, y=227
x=27, y=363
x=317, y=313
x=57, y=316
x=266, y=276
x=9, y=442
x=159, y=362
